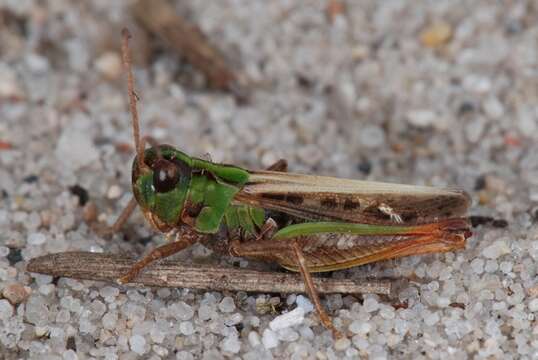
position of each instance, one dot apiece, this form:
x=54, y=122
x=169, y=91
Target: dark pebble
x=81, y=193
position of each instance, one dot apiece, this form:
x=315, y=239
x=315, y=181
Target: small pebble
x=36, y=239
x=287, y=334
x=6, y=309
x=16, y=293
x=431, y=319
x=477, y=265
x=9, y=84
x=186, y=328
x=342, y=344
x=75, y=149
x=360, y=327
x=421, y=118
x=230, y=344
x=114, y=192
x=254, y=338
x=370, y=304
x=292, y=318
x=305, y=303
x=269, y=339
x=181, y=310
x=110, y=320
x=227, y=305
x=436, y=34
x=497, y=249
x=371, y=136
x=89, y=212
x=138, y=344
x=533, y=305
x=109, y=64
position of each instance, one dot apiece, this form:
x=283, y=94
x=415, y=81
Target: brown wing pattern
x=327, y=198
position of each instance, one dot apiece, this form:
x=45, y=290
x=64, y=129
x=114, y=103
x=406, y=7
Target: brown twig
x=160, y=18
x=109, y=267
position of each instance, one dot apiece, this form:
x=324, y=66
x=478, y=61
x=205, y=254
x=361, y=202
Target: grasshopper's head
x=161, y=174
x=160, y=185
x=164, y=177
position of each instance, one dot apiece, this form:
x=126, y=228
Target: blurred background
x=431, y=92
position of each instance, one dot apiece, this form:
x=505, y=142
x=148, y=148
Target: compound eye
x=165, y=175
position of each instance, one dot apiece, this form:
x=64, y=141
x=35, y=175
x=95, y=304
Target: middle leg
x=271, y=250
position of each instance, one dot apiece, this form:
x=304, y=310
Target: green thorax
x=245, y=218
x=204, y=189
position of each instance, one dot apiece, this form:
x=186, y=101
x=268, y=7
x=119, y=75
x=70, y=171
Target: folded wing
x=326, y=198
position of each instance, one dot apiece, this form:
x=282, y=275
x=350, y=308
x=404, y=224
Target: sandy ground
x=436, y=93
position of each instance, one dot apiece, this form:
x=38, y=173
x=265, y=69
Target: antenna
x=127, y=65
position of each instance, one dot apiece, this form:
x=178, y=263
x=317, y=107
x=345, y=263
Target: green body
x=203, y=198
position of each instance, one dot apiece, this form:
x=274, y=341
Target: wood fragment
x=160, y=18
x=109, y=267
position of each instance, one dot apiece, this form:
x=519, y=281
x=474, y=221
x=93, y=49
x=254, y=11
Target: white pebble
x=75, y=149
x=184, y=355
x=36, y=239
x=69, y=355
x=497, y=249
x=163, y=293
x=431, y=319
x=387, y=312
x=533, y=305
x=477, y=84
x=138, y=344
x=342, y=344
x=506, y=267
x=370, y=304
x=233, y=319
x=109, y=64
x=360, y=327
x=181, y=310
x=493, y=108
x=4, y=251
x=63, y=316
x=9, y=85
x=6, y=310
x=287, y=334
x=360, y=342
x=294, y=317
x=371, y=136
x=186, y=328
x=491, y=266
x=443, y=301
x=305, y=303
x=421, y=118
x=37, y=63
x=477, y=265
x=230, y=344
x=109, y=293
x=269, y=339
x=114, y=192
x=205, y=312
x=254, y=338
x=109, y=320
x=227, y=305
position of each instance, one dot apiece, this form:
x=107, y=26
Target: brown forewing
x=326, y=198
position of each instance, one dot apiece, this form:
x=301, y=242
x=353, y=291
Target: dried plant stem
x=161, y=18
x=109, y=267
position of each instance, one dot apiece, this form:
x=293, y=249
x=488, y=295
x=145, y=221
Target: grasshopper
x=305, y=223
